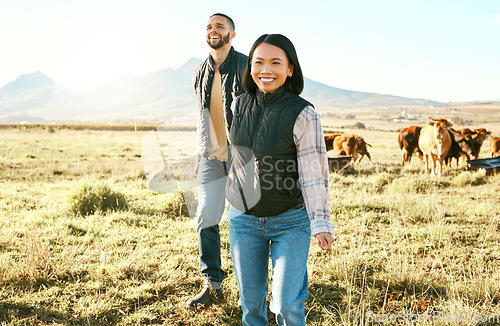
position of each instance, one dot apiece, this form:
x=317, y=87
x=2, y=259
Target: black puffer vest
x=263, y=180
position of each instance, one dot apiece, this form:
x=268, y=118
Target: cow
x=461, y=146
x=478, y=135
x=346, y=145
x=495, y=146
x=435, y=142
x=361, y=148
x=329, y=141
x=466, y=131
x=483, y=131
x=351, y=146
x=454, y=152
x=408, y=142
x=466, y=145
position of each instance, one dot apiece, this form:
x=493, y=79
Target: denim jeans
x=286, y=237
x=211, y=181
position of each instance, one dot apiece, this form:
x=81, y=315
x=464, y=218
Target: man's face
x=219, y=32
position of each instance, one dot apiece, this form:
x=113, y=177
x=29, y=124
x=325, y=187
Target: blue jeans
x=211, y=181
x=286, y=237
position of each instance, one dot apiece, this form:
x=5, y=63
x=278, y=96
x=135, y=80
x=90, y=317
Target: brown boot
x=205, y=298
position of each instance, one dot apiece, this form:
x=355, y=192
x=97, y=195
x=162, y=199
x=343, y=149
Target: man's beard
x=223, y=41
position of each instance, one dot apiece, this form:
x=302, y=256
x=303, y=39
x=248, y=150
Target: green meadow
x=84, y=241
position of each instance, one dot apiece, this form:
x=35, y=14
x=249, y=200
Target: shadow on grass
x=35, y=315
x=324, y=297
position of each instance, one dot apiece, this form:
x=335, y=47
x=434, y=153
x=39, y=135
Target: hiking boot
x=205, y=298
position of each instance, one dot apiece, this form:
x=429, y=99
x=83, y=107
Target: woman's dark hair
x=294, y=84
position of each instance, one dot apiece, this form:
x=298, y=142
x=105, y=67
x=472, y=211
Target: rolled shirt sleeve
x=313, y=169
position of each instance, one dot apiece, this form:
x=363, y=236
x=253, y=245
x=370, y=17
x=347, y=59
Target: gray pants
x=211, y=183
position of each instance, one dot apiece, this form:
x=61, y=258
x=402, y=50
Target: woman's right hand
x=325, y=240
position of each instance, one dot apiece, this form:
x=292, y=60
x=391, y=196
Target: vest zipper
x=259, y=124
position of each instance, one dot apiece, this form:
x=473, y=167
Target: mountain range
x=156, y=97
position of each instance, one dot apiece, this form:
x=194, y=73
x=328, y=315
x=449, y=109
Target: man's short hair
x=231, y=22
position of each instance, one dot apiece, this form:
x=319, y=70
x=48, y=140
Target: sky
x=442, y=50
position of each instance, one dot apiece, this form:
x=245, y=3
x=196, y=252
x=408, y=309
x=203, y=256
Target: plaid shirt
x=313, y=169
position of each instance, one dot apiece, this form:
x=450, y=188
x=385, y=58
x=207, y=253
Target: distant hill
x=158, y=96
x=26, y=93
x=322, y=94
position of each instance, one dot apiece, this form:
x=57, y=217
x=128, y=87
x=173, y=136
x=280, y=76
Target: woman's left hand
x=325, y=240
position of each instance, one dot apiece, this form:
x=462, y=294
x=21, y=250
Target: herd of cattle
x=435, y=144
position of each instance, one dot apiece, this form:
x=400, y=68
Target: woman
x=277, y=185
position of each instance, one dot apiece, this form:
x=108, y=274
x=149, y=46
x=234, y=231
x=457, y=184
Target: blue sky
x=444, y=50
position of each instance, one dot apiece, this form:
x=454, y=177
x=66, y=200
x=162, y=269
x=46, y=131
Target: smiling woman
x=282, y=199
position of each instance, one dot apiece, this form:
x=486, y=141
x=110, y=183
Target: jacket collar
x=264, y=99
x=226, y=65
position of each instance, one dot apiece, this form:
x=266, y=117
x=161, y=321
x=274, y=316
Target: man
x=217, y=82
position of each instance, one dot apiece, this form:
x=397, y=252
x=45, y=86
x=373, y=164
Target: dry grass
x=405, y=242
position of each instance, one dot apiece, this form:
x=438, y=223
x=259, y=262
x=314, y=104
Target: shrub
x=380, y=181
x=359, y=125
x=418, y=185
x=469, y=178
x=90, y=199
x=457, y=120
x=410, y=185
x=176, y=206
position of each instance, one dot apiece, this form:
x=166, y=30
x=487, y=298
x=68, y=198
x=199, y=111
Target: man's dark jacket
x=232, y=71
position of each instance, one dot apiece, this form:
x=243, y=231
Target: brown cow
x=478, y=137
x=466, y=131
x=435, y=142
x=495, y=146
x=362, y=150
x=346, y=145
x=461, y=146
x=408, y=142
x=483, y=131
x=329, y=141
x=351, y=146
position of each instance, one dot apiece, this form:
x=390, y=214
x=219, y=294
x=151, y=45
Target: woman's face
x=270, y=67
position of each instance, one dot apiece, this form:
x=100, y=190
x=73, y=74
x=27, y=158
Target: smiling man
x=217, y=82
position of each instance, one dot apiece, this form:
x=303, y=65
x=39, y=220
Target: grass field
x=406, y=244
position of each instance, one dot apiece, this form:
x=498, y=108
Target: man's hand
x=325, y=240
x=196, y=165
